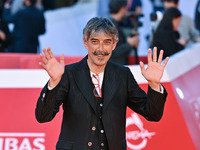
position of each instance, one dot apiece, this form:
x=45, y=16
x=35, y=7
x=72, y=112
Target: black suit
x=75, y=92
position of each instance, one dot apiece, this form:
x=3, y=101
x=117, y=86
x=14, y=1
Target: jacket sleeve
x=150, y=105
x=49, y=101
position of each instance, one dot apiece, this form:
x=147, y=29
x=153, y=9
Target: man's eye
x=94, y=42
x=107, y=42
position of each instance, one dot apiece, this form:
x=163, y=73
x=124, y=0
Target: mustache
x=101, y=53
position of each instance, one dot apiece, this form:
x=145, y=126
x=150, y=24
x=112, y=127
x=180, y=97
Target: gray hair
x=98, y=24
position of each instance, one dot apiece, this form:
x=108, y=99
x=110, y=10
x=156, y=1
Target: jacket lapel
x=110, y=84
x=84, y=82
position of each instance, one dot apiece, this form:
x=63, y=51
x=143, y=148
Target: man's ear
x=114, y=44
x=85, y=43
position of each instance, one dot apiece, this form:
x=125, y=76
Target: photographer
x=118, y=11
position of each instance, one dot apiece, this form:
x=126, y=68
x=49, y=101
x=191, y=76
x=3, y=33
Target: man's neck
x=96, y=69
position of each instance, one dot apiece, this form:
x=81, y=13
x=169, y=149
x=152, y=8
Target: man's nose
x=101, y=47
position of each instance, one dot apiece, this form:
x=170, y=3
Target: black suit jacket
x=75, y=92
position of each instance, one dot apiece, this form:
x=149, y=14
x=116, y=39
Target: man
x=95, y=92
x=186, y=28
x=29, y=24
x=118, y=11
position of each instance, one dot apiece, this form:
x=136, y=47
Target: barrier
x=30, y=61
x=178, y=129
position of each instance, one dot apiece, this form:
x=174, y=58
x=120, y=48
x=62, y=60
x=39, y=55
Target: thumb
x=142, y=67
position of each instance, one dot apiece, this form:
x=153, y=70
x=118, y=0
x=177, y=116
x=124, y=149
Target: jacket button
x=43, y=95
x=102, y=144
x=102, y=131
x=101, y=105
x=89, y=143
x=93, y=128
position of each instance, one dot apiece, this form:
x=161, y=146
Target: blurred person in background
x=135, y=6
x=29, y=23
x=133, y=14
x=5, y=36
x=17, y=5
x=186, y=28
x=118, y=11
x=197, y=16
x=166, y=36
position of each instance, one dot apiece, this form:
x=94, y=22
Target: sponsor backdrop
x=178, y=129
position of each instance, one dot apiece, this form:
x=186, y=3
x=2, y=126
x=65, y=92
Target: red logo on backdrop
x=22, y=141
x=136, y=136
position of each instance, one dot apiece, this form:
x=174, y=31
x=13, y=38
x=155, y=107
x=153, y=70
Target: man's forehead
x=101, y=34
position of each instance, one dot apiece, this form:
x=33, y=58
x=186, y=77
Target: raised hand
x=52, y=66
x=154, y=71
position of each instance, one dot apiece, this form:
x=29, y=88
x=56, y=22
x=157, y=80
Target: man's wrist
x=52, y=84
x=155, y=86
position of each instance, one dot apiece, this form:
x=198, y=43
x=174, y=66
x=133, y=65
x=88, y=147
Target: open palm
x=154, y=71
x=52, y=66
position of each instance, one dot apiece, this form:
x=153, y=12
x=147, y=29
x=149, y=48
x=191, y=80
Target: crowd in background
x=172, y=32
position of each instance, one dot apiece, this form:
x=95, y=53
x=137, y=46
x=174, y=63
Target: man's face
x=100, y=46
x=124, y=11
x=170, y=5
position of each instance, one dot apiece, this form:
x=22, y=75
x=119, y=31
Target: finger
x=149, y=56
x=62, y=59
x=43, y=66
x=43, y=59
x=155, y=54
x=165, y=62
x=160, y=56
x=142, y=67
x=46, y=54
x=50, y=52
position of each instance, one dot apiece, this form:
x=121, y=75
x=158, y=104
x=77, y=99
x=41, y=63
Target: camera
x=132, y=21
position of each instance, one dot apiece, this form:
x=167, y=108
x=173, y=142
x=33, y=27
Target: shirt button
x=102, y=144
x=102, y=131
x=101, y=105
x=93, y=128
x=100, y=117
x=89, y=143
